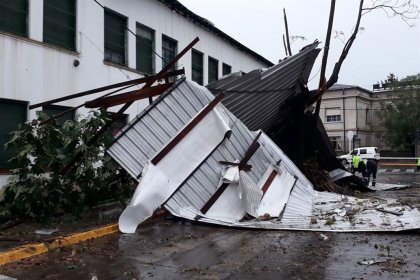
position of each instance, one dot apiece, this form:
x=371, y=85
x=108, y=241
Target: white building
x=53, y=48
x=346, y=108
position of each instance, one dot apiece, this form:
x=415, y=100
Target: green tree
x=38, y=191
x=400, y=114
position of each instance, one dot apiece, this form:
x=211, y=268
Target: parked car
x=364, y=152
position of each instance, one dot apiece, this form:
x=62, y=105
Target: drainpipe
x=357, y=117
x=344, y=122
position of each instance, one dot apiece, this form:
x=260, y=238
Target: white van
x=364, y=152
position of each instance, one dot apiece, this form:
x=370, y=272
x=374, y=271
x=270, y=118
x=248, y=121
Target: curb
x=397, y=164
x=30, y=250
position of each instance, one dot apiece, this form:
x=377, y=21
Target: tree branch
x=406, y=10
x=337, y=67
x=287, y=32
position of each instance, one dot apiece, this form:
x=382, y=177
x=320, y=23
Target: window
x=13, y=16
x=52, y=110
x=60, y=23
x=334, y=118
x=368, y=116
x=333, y=114
x=145, y=45
x=115, y=37
x=363, y=151
x=336, y=142
x=197, y=66
x=169, y=50
x=227, y=69
x=119, y=122
x=16, y=114
x=213, y=70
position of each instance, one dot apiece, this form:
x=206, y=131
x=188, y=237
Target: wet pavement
x=177, y=249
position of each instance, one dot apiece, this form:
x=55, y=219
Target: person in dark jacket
x=362, y=169
x=372, y=168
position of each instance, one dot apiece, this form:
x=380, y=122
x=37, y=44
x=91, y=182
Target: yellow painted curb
x=30, y=250
x=397, y=164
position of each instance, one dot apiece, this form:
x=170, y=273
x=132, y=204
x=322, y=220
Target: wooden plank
x=100, y=89
x=214, y=198
x=270, y=179
x=128, y=96
x=187, y=129
x=243, y=164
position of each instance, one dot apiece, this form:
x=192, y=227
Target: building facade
x=53, y=48
x=349, y=115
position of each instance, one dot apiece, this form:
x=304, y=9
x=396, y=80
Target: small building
x=350, y=108
x=347, y=108
x=53, y=48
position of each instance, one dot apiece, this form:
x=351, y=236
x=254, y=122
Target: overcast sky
x=387, y=45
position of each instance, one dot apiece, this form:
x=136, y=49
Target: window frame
x=333, y=118
x=224, y=67
x=119, y=123
x=7, y=12
x=195, y=67
x=336, y=143
x=210, y=61
x=59, y=28
x=6, y=168
x=167, y=59
x=109, y=51
x=152, y=49
x=59, y=109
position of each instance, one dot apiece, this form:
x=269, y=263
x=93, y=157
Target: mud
x=176, y=249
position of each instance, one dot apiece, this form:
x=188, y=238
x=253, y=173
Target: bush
x=38, y=191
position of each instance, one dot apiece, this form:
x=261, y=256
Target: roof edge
x=179, y=8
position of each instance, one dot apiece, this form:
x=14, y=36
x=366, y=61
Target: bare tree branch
x=287, y=32
x=337, y=67
x=404, y=9
x=284, y=44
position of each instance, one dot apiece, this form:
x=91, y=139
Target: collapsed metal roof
x=192, y=155
x=260, y=96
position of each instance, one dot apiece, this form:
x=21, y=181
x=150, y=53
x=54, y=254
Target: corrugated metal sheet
x=257, y=98
x=150, y=130
x=306, y=209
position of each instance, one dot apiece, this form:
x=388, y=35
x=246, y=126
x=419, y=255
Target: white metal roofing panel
x=277, y=194
x=306, y=209
x=158, y=123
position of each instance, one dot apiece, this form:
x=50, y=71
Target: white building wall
x=33, y=71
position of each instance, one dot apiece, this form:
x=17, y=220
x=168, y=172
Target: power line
x=135, y=35
x=98, y=49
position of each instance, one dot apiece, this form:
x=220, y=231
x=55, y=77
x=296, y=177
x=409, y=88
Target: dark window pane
x=197, y=67
x=227, y=69
x=52, y=110
x=13, y=113
x=145, y=45
x=60, y=23
x=13, y=16
x=169, y=50
x=119, y=122
x=115, y=37
x=213, y=70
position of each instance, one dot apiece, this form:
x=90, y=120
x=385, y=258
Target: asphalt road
x=176, y=249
